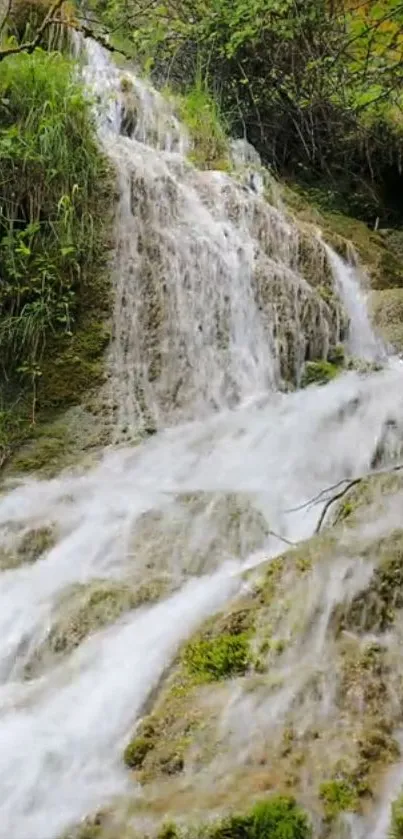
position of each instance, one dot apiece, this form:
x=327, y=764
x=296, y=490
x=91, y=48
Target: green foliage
x=396, y=821
x=318, y=372
x=316, y=86
x=52, y=228
x=48, y=181
x=212, y=659
x=275, y=818
x=338, y=796
x=201, y=114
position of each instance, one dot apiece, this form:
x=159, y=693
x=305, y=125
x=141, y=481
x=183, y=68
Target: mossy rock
x=380, y=254
x=387, y=315
x=71, y=440
x=364, y=677
x=158, y=746
x=374, y=490
x=84, y=609
x=136, y=751
x=374, y=608
x=77, y=367
x=32, y=545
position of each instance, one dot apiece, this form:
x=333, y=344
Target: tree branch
x=349, y=485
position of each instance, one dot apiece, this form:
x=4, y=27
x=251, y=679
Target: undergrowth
x=53, y=219
x=278, y=817
x=200, y=111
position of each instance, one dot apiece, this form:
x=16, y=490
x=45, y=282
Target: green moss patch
x=318, y=372
x=218, y=658
x=338, y=796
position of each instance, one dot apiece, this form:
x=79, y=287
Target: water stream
x=197, y=358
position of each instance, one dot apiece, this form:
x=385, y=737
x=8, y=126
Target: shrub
x=337, y=796
x=276, y=818
x=212, y=659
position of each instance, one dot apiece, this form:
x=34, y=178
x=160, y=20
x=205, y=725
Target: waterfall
x=216, y=302
x=216, y=297
x=362, y=341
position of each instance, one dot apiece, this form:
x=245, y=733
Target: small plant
x=338, y=796
x=212, y=659
x=396, y=820
x=318, y=372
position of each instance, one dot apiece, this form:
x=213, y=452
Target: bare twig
x=318, y=497
x=354, y=482
x=282, y=538
x=334, y=498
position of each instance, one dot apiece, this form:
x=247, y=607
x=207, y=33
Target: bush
x=338, y=796
x=213, y=659
x=276, y=818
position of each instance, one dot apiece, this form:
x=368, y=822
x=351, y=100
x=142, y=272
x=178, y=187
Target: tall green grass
x=200, y=111
x=51, y=173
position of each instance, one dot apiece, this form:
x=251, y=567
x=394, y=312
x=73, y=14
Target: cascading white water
x=187, y=243
x=362, y=341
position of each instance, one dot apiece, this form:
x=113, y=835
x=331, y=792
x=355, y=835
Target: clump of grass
x=200, y=112
x=212, y=659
